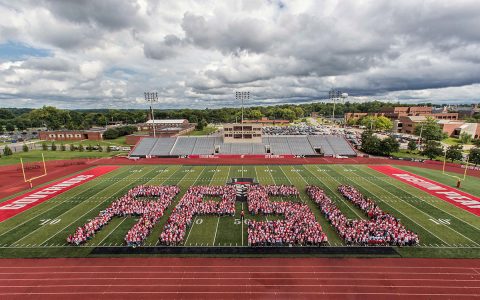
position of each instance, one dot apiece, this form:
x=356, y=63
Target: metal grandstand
x=313, y=145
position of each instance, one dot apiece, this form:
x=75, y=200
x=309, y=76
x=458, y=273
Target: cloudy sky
x=106, y=53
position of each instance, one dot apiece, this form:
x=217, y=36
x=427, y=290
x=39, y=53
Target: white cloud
x=196, y=53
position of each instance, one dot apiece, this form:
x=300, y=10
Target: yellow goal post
x=29, y=180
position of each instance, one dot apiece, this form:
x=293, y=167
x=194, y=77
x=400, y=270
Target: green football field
x=444, y=230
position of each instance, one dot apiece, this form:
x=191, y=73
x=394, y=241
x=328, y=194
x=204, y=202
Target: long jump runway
x=279, y=278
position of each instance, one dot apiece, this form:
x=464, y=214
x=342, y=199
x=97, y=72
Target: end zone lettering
x=19, y=204
x=458, y=198
x=46, y=192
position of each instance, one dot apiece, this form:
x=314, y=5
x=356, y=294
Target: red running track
x=241, y=278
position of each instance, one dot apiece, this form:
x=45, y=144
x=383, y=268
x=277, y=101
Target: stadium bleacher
x=327, y=145
x=144, y=147
x=183, y=146
x=162, y=147
x=204, y=146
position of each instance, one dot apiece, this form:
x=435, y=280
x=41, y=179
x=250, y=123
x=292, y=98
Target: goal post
x=29, y=180
x=459, y=179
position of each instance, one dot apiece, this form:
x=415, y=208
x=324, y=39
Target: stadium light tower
x=242, y=96
x=152, y=97
x=334, y=95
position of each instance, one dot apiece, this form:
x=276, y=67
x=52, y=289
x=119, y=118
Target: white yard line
x=99, y=243
x=216, y=229
x=242, y=223
x=195, y=218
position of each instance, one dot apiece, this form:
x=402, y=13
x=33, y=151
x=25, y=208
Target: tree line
x=54, y=118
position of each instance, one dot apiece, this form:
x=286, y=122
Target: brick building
x=71, y=135
x=242, y=133
x=396, y=113
x=453, y=128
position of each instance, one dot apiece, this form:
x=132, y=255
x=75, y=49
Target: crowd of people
x=380, y=229
x=193, y=203
x=130, y=205
x=299, y=226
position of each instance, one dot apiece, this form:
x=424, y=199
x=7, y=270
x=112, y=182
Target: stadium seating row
x=328, y=145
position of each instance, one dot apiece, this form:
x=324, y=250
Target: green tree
x=10, y=127
x=44, y=146
x=63, y=147
x=73, y=147
x=383, y=123
x=20, y=124
x=476, y=142
x=389, y=145
x=6, y=114
x=454, y=152
x=299, y=112
x=110, y=134
x=287, y=114
x=412, y=145
x=255, y=114
x=376, y=123
x=100, y=148
x=370, y=143
x=109, y=149
x=89, y=147
x=53, y=147
x=50, y=116
x=474, y=156
x=431, y=130
x=7, y=151
x=432, y=149
x=80, y=148
x=465, y=138
x=202, y=124
x=25, y=148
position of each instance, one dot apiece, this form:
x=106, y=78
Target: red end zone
x=458, y=198
x=19, y=204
